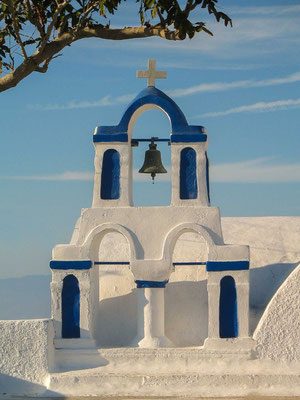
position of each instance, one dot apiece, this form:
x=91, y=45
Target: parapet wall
x=26, y=353
x=278, y=332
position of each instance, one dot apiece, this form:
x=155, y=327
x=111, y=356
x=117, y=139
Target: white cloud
x=259, y=170
x=257, y=107
x=236, y=42
x=222, y=86
x=64, y=176
x=85, y=176
x=103, y=102
x=268, y=11
x=205, y=87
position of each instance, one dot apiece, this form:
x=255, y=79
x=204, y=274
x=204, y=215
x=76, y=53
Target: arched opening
x=228, y=319
x=110, y=176
x=188, y=174
x=70, y=307
x=186, y=298
x=152, y=123
x=117, y=302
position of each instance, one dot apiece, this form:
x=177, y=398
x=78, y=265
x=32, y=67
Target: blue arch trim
x=78, y=264
x=188, y=174
x=150, y=284
x=181, y=131
x=227, y=265
x=110, y=176
x=70, y=308
x=228, y=319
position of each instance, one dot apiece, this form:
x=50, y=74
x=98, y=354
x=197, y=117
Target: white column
x=56, y=293
x=151, y=319
x=242, y=292
x=201, y=177
x=213, y=310
x=84, y=310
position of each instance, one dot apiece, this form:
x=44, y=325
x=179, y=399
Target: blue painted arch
x=181, y=130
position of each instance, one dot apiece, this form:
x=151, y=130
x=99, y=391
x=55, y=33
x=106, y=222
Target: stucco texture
x=278, y=332
x=24, y=356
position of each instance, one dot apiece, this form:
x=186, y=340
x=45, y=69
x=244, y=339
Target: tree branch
x=60, y=7
x=89, y=7
x=126, y=33
x=190, y=6
x=15, y=24
x=33, y=20
x=48, y=52
x=162, y=20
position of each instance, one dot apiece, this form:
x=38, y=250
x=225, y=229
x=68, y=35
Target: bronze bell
x=152, y=163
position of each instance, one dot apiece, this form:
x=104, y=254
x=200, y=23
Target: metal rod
x=151, y=139
x=127, y=263
x=135, y=142
x=111, y=262
x=189, y=263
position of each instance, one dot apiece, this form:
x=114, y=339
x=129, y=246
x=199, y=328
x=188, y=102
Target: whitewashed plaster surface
x=275, y=251
x=274, y=244
x=25, y=356
x=278, y=332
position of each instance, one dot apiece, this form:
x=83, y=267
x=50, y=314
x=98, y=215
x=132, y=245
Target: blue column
x=110, y=176
x=70, y=307
x=188, y=174
x=228, y=318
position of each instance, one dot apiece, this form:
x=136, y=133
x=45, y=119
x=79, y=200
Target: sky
x=242, y=84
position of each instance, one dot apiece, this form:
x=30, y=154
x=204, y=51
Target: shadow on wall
x=11, y=385
x=186, y=312
x=264, y=283
x=116, y=321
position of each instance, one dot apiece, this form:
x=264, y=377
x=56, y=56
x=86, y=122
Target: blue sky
x=242, y=85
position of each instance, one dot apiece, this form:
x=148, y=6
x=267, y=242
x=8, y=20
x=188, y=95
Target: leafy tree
x=34, y=32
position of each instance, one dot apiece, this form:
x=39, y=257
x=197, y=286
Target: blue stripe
x=188, y=138
x=84, y=264
x=121, y=137
x=150, y=284
x=227, y=265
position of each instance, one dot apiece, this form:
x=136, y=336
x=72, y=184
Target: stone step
x=96, y=382
x=137, y=359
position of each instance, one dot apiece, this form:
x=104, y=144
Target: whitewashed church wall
x=160, y=221
x=26, y=355
x=186, y=306
x=125, y=153
x=202, y=197
x=186, y=290
x=278, y=332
